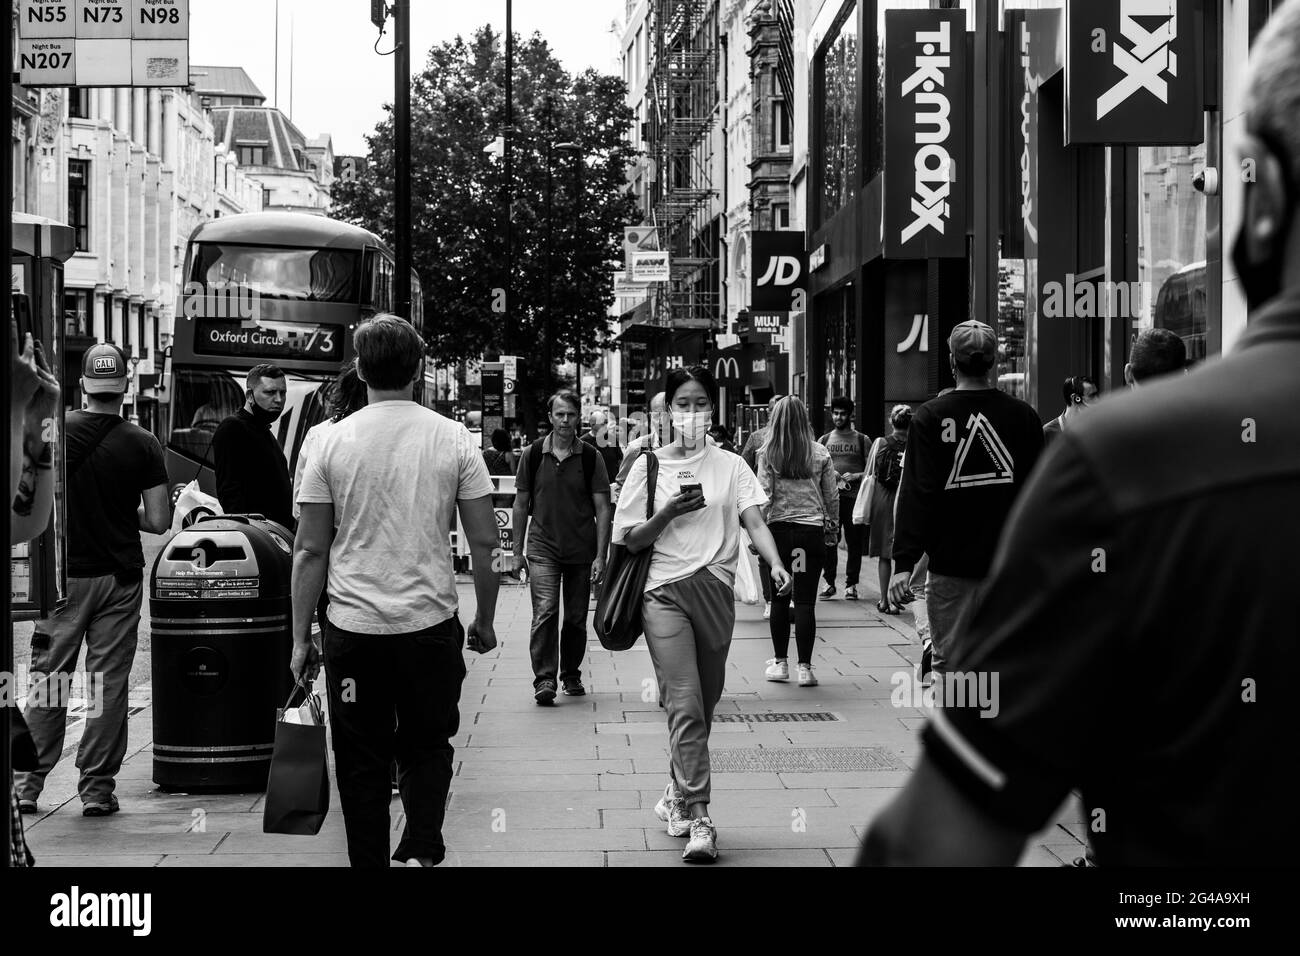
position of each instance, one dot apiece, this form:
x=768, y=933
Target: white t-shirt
x=708, y=538
x=394, y=472
x=304, y=453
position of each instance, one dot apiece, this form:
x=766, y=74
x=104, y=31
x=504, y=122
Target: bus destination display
x=303, y=341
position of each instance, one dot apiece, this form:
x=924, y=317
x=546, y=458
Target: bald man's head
x=657, y=403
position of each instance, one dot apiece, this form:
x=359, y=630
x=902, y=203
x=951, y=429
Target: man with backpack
x=848, y=448
x=116, y=488
x=563, y=485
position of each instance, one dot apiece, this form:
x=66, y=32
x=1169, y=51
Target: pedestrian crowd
x=1124, y=568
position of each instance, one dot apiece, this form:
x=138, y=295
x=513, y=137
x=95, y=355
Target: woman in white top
x=702, y=496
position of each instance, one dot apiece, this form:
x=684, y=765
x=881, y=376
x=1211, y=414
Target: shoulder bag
x=867, y=490
x=617, y=620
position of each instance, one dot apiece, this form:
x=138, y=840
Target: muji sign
x=925, y=133
x=1132, y=73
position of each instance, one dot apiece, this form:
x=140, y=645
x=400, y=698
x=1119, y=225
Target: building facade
x=1074, y=240
x=133, y=172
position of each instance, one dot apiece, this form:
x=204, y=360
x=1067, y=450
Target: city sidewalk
x=798, y=772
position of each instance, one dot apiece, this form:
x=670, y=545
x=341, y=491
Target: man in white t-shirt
x=390, y=477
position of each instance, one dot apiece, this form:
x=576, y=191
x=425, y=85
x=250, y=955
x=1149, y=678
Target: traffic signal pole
x=401, y=10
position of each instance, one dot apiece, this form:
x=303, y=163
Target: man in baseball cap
x=116, y=483
x=104, y=371
x=968, y=454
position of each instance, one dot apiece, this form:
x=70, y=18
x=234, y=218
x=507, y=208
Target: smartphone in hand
x=694, y=489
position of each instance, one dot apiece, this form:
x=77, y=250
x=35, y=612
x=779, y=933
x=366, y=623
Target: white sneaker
x=777, y=670
x=703, y=845
x=671, y=809
x=767, y=610
x=806, y=676
x=851, y=592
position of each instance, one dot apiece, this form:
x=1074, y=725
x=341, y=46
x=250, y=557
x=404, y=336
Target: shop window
x=1171, y=246
x=79, y=202
x=780, y=215
x=836, y=83
x=780, y=127
x=78, y=102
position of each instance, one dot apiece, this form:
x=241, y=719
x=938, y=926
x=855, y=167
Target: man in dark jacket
x=252, y=473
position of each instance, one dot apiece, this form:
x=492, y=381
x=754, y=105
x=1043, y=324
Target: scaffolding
x=684, y=81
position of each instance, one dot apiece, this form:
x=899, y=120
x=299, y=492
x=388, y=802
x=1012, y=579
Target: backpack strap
x=534, y=453
x=80, y=456
x=825, y=440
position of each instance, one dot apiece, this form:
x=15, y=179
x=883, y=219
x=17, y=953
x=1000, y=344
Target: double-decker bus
x=281, y=288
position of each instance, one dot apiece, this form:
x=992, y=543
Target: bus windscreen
x=309, y=275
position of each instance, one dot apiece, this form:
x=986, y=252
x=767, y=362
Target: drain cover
x=785, y=718
x=801, y=760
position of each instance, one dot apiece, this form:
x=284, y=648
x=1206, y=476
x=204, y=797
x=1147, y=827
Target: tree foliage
x=458, y=214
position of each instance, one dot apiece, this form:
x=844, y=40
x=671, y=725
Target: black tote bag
x=298, y=786
x=618, y=608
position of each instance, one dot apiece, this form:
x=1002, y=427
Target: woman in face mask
x=702, y=496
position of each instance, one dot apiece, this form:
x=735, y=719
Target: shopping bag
x=748, y=590
x=867, y=490
x=298, y=786
x=193, y=504
x=617, y=621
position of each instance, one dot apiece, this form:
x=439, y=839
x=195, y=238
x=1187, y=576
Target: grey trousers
x=106, y=615
x=688, y=627
x=949, y=602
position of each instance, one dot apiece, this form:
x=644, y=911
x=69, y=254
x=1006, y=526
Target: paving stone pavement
x=575, y=784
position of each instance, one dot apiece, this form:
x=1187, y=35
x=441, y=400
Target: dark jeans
x=400, y=702
x=855, y=536
x=550, y=582
x=809, y=539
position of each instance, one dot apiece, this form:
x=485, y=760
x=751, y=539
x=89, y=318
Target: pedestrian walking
x=721, y=434
x=116, y=488
x=1155, y=352
x=657, y=434
x=968, y=455
x=501, y=462
x=803, y=513
x=563, y=487
x=378, y=497
x=1078, y=392
x=252, y=473
x=1128, y=554
x=887, y=468
x=33, y=402
x=702, y=497
x=346, y=395
x=848, y=448
x=602, y=438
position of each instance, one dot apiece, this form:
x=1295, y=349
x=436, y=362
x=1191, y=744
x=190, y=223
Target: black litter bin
x=221, y=616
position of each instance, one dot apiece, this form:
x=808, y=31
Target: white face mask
x=692, y=425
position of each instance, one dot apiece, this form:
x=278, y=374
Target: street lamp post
x=551, y=150
x=572, y=149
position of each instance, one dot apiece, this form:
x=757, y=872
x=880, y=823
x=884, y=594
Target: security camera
x=1207, y=181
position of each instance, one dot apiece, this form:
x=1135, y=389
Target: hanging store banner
x=926, y=125
x=779, y=269
x=638, y=239
x=650, y=267
x=1132, y=73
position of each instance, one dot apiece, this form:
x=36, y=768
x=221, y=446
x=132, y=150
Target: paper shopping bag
x=298, y=786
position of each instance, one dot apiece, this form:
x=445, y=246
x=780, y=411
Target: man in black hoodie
x=968, y=455
x=252, y=473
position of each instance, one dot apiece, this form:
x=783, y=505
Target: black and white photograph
x=652, y=435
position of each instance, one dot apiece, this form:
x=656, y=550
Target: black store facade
x=1062, y=198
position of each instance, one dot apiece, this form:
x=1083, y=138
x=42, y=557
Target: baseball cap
x=105, y=370
x=972, y=338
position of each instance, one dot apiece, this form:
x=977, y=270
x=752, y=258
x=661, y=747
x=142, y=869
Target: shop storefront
x=1078, y=206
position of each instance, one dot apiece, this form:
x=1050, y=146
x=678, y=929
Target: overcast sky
x=340, y=84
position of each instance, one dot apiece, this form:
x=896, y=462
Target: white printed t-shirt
x=708, y=538
x=394, y=472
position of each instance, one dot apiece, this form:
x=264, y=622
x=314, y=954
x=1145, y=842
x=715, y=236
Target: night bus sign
x=104, y=43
